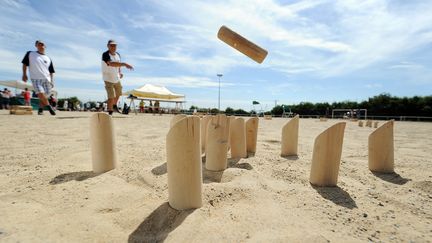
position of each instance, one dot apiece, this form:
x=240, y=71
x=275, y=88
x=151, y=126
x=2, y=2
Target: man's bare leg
x=115, y=102
x=43, y=101
x=110, y=104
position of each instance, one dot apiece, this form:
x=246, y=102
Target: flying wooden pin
x=242, y=44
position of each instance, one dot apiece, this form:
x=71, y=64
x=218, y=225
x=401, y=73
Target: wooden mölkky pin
x=238, y=138
x=102, y=140
x=381, y=149
x=231, y=118
x=241, y=44
x=326, y=156
x=217, y=143
x=251, y=134
x=289, y=140
x=184, y=168
x=177, y=118
x=20, y=110
x=204, y=123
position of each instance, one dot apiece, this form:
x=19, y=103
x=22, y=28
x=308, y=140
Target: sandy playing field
x=49, y=194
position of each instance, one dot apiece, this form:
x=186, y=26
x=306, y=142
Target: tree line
x=380, y=105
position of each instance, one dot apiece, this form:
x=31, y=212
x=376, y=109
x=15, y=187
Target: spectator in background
x=6, y=94
x=141, y=106
x=156, y=109
x=27, y=97
x=65, y=105
x=151, y=107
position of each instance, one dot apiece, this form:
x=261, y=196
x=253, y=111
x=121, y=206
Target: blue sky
x=319, y=51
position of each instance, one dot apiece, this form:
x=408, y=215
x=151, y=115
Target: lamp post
x=219, y=75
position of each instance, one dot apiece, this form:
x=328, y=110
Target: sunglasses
x=40, y=44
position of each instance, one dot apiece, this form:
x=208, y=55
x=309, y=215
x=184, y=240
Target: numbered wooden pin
x=326, y=156
x=217, y=143
x=184, y=164
x=381, y=149
x=290, y=137
x=102, y=140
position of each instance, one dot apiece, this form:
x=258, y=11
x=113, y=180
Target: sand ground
x=49, y=194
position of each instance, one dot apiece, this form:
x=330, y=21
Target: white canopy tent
x=18, y=84
x=156, y=92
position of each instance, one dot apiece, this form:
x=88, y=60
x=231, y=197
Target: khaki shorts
x=113, y=89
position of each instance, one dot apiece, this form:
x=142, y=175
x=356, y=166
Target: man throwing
x=41, y=71
x=111, y=73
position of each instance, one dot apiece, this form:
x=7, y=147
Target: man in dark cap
x=111, y=74
x=41, y=71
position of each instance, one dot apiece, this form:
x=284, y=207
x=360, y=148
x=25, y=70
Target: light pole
x=219, y=75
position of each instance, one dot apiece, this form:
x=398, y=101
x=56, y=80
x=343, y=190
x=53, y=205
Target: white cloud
x=405, y=65
x=373, y=86
x=180, y=81
x=90, y=77
x=10, y=62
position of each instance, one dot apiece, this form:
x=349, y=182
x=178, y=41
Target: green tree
x=229, y=111
x=277, y=110
x=241, y=112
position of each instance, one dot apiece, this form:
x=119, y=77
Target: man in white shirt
x=111, y=74
x=41, y=71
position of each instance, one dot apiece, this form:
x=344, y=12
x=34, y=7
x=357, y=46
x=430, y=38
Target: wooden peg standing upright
x=251, y=134
x=369, y=123
x=176, y=118
x=238, y=138
x=290, y=137
x=231, y=118
x=184, y=164
x=217, y=143
x=204, y=124
x=102, y=140
x=376, y=124
x=381, y=149
x=326, y=156
x=360, y=123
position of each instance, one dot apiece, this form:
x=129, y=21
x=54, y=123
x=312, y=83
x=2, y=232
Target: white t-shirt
x=110, y=74
x=40, y=65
